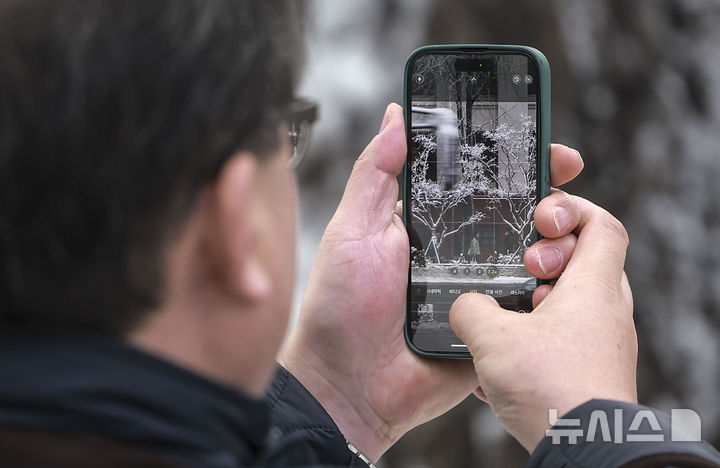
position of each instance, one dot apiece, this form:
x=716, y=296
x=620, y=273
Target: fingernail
x=386, y=119
x=549, y=258
x=561, y=217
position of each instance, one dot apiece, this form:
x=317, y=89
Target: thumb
x=478, y=320
x=373, y=189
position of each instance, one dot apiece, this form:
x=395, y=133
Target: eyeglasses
x=301, y=115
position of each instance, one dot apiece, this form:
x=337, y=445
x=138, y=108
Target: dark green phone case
x=543, y=126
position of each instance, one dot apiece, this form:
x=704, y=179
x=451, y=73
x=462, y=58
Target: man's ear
x=235, y=246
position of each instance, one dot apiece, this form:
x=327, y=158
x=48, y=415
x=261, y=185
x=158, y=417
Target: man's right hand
x=579, y=342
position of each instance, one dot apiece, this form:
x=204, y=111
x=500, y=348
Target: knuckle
x=614, y=225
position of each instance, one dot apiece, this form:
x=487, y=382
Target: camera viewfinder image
x=471, y=186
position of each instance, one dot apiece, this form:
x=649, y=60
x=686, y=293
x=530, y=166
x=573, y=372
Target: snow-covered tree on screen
x=501, y=171
x=514, y=194
x=432, y=203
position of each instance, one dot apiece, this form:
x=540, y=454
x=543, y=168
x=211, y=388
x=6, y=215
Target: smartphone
x=478, y=135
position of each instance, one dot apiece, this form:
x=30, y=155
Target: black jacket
x=77, y=400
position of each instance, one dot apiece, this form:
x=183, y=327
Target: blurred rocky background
x=636, y=87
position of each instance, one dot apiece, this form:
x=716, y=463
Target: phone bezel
x=543, y=138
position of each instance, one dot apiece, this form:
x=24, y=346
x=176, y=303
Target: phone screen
x=471, y=185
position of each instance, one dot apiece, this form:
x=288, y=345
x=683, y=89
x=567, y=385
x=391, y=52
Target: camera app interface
x=471, y=186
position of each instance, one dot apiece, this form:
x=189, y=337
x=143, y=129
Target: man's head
x=126, y=129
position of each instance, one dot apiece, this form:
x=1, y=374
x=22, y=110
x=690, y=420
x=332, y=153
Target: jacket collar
x=98, y=384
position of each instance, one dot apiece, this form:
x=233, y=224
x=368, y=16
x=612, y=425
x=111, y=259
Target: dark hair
x=113, y=115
